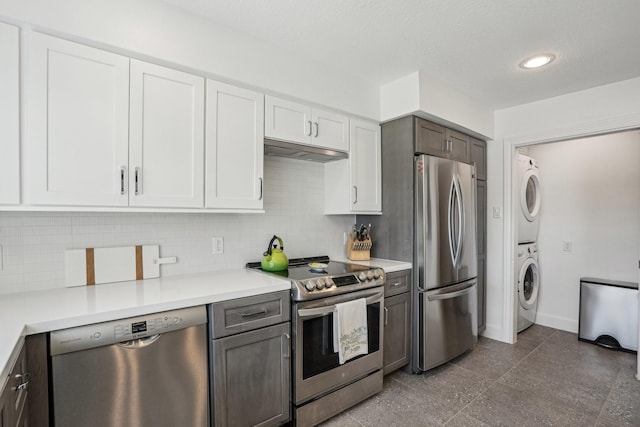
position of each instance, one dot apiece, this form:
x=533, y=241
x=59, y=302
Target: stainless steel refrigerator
x=445, y=262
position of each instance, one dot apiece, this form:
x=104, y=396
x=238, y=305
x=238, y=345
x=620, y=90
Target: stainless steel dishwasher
x=141, y=371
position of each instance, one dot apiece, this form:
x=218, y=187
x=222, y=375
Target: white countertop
x=389, y=266
x=43, y=311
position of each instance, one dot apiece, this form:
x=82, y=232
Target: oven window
x=317, y=347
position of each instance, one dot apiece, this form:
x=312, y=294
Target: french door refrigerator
x=445, y=264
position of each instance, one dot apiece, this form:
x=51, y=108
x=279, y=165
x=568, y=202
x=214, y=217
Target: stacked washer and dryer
x=526, y=262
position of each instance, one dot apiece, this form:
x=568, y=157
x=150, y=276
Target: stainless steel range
x=322, y=387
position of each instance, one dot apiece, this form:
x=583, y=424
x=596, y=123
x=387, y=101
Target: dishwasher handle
x=139, y=343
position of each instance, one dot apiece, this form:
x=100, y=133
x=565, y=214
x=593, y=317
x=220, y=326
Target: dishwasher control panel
x=123, y=330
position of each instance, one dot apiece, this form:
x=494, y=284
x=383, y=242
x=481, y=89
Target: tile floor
x=548, y=378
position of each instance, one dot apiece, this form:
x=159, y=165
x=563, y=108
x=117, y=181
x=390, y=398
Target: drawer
x=244, y=314
x=397, y=282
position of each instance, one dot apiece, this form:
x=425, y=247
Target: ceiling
x=473, y=46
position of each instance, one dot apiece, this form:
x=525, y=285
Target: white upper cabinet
x=166, y=137
x=234, y=147
x=354, y=185
x=366, y=171
x=78, y=122
x=9, y=114
x=330, y=130
x=293, y=122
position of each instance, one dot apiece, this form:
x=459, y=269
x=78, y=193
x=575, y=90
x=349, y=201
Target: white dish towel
x=350, y=329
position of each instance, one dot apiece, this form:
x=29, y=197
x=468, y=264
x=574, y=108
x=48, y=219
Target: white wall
x=33, y=243
x=594, y=111
x=420, y=94
x=591, y=197
x=150, y=28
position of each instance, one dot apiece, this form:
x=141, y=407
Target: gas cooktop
x=319, y=277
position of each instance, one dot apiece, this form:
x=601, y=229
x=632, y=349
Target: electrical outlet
x=218, y=245
x=497, y=212
x=344, y=239
x=567, y=245
x=1, y=259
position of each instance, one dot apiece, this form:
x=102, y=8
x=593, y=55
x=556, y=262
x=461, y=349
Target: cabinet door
x=9, y=114
x=166, y=137
x=78, y=113
x=330, y=130
x=482, y=293
x=252, y=368
x=6, y=410
x=287, y=121
x=481, y=217
x=459, y=146
x=397, y=331
x=365, y=162
x=430, y=138
x=234, y=147
x=479, y=158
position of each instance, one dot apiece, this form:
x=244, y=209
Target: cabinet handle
x=310, y=126
x=254, y=314
x=123, y=174
x=393, y=285
x=138, y=181
x=288, y=346
x=260, y=198
x=316, y=135
x=355, y=194
x=386, y=316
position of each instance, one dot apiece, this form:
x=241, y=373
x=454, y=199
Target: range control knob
x=362, y=276
x=369, y=275
x=376, y=274
x=319, y=284
x=310, y=285
x=328, y=283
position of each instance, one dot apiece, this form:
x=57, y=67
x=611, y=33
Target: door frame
x=511, y=202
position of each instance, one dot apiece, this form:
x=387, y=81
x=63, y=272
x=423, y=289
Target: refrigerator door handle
x=450, y=295
x=461, y=219
x=450, y=231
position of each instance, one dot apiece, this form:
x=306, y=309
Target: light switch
x=218, y=245
x=567, y=245
x=497, y=212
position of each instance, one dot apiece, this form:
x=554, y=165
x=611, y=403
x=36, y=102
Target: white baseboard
x=557, y=322
x=494, y=332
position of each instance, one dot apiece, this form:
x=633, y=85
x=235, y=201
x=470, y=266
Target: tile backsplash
x=33, y=243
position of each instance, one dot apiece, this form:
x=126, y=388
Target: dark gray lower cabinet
x=251, y=360
x=397, y=331
x=397, y=320
x=13, y=396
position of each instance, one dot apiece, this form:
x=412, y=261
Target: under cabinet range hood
x=302, y=152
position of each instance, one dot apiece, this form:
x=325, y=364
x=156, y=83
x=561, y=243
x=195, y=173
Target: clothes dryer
x=527, y=284
x=528, y=199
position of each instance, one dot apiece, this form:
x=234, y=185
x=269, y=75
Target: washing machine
x=527, y=284
x=528, y=199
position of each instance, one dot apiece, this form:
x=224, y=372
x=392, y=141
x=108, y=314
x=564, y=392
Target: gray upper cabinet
x=479, y=158
x=439, y=141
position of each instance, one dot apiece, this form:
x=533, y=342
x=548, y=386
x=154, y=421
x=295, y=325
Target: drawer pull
x=254, y=314
x=393, y=285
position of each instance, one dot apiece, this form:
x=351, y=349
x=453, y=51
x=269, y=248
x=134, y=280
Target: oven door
x=317, y=369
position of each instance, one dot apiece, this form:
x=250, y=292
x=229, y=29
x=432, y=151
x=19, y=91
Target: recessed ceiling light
x=537, y=61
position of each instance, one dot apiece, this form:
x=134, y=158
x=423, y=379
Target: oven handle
x=323, y=311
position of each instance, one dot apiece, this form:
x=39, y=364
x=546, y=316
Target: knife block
x=359, y=250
